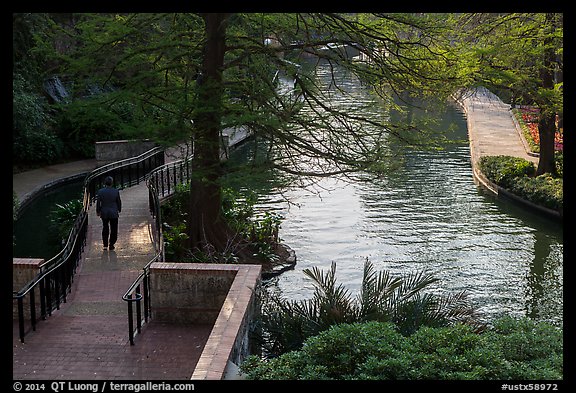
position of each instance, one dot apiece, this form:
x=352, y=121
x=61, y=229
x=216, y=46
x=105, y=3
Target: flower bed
x=527, y=117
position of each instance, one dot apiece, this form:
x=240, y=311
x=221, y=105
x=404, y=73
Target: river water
x=428, y=214
x=34, y=235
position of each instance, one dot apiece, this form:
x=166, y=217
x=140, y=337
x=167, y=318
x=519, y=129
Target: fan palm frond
x=401, y=300
x=376, y=288
x=333, y=300
x=457, y=308
x=414, y=283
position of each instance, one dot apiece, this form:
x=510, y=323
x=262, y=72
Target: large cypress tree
x=188, y=76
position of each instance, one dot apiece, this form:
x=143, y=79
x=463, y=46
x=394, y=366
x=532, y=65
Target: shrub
x=533, y=350
x=517, y=176
x=543, y=190
x=237, y=210
x=175, y=239
x=81, y=123
x=504, y=169
x=63, y=216
x=559, y=161
x=519, y=349
x=287, y=323
x=33, y=139
x=341, y=349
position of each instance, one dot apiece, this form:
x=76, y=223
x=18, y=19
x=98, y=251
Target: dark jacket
x=108, y=203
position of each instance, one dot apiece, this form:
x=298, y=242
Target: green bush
x=175, y=240
x=33, y=139
x=62, y=218
x=285, y=324
x=559, y=161
x=513, y=349
x=237, y=210
x=517, y=176
x=543, y=190
x=81, y=123
x=533, y=350
x=503, y=170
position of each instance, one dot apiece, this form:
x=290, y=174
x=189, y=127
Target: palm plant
x=285, y=324
x=63, y=216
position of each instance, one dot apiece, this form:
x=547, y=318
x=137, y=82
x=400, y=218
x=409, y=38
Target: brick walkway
x=88, y=337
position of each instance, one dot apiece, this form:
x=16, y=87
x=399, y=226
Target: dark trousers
x=109, y=228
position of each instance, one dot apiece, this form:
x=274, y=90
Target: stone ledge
x=224, y=294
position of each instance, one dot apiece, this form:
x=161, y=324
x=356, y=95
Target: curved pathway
x=88, y=337
x=26, y=184
x=491, y=129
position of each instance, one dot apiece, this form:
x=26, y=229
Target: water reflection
x=34, y=234
x=544, y=279
x=109, y=257
x=426, y=215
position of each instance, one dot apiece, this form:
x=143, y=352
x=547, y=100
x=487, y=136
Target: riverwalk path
x=491, y=129
x=88, y=337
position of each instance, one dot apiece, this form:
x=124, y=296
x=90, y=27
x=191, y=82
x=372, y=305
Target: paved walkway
x=491, y=129
x=27, y=183
x=88, y=337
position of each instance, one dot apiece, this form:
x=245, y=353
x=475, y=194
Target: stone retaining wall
x=111, y=151
x=222, y=294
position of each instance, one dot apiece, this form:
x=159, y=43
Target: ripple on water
x=426, y=215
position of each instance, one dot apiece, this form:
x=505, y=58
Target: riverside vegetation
x=518, y=176
x=396, y=328
x=238, y=210
x=511, y=349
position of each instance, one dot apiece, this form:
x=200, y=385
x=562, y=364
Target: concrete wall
x=110, y=151
x=221, y=294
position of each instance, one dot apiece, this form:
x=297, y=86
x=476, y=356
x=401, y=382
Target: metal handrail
x=55, y=278
x=161, y=183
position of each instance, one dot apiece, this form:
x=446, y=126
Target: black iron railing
x=45, y=292
x=162, y=183
x=139, y=291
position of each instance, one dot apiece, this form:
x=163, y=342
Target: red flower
x=530, y=118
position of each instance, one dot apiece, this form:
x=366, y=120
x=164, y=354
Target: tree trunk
x=546, y=131
x=547, y=119
x=208, y=232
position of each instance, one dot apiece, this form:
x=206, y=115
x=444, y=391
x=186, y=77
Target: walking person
x=108, y=207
